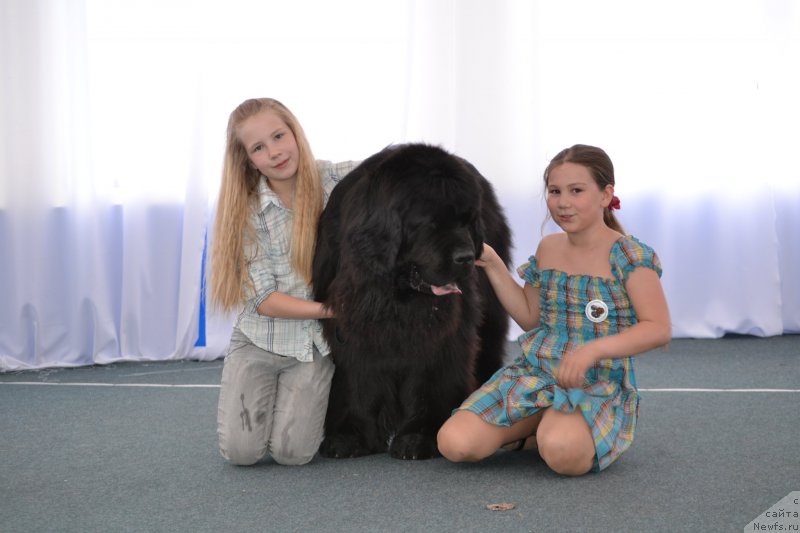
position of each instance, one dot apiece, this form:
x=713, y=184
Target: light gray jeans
x=270, y=404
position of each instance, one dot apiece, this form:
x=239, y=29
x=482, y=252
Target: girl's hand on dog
x=488, y=257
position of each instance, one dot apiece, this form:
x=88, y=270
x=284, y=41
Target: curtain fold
x=85, y=278
x=112, y=118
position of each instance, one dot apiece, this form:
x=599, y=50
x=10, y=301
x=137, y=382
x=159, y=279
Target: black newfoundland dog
x=417, y=325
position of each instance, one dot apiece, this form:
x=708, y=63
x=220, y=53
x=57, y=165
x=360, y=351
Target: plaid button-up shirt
x=270, y=269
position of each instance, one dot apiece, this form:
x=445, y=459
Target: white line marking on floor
x=207, y=386
x=719, y=390
x=175, y=371
x=95, y=384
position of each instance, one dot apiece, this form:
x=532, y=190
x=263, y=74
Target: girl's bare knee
x=456, y=446
x=564, y=456
x=452, y=446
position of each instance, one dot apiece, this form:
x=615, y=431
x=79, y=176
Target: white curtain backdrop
x=112, y=118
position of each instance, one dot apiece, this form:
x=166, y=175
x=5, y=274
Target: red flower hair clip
x=614, y=203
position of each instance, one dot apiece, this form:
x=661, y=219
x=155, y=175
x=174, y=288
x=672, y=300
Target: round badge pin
x=596, y=310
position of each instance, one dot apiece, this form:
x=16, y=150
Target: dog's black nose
x=463, y=256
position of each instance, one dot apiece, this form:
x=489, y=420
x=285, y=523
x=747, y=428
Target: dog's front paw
x=343, y=446
x=414, y=446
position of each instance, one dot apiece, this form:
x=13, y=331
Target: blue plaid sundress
x=609, y=400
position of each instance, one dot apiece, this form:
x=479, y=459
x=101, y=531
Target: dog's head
x=419, y=224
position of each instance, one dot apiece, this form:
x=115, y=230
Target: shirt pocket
x=278, y=256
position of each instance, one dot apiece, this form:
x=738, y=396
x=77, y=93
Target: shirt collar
x=267, y=196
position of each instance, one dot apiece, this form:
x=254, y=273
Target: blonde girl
x=276, y=376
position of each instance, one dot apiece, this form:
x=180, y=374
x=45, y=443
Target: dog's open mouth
x=416, y=282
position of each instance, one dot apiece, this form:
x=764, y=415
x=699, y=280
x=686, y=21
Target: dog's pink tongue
x=450, y=288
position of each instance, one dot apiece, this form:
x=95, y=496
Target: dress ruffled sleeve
x=530, y=272
x=631, y=254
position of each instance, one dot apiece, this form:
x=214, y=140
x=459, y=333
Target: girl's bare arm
x=522, y=303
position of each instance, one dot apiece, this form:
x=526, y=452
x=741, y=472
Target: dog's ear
x=376, y=234
x=477, y=227
x=477, y=232
x=326, y=255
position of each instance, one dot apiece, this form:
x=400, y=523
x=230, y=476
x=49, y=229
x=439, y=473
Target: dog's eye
x=413, y=224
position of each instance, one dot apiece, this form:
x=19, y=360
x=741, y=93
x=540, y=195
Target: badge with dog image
x=596, y=311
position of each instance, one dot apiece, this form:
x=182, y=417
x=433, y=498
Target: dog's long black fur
x=417, y=326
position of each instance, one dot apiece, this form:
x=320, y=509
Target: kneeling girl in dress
x=591, y=300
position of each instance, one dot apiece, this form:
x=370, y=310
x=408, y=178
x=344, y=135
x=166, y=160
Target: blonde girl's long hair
x=600, y=167
x=238, y=198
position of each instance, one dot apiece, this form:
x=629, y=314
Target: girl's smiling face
x=270, y=145
x=573, y=198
